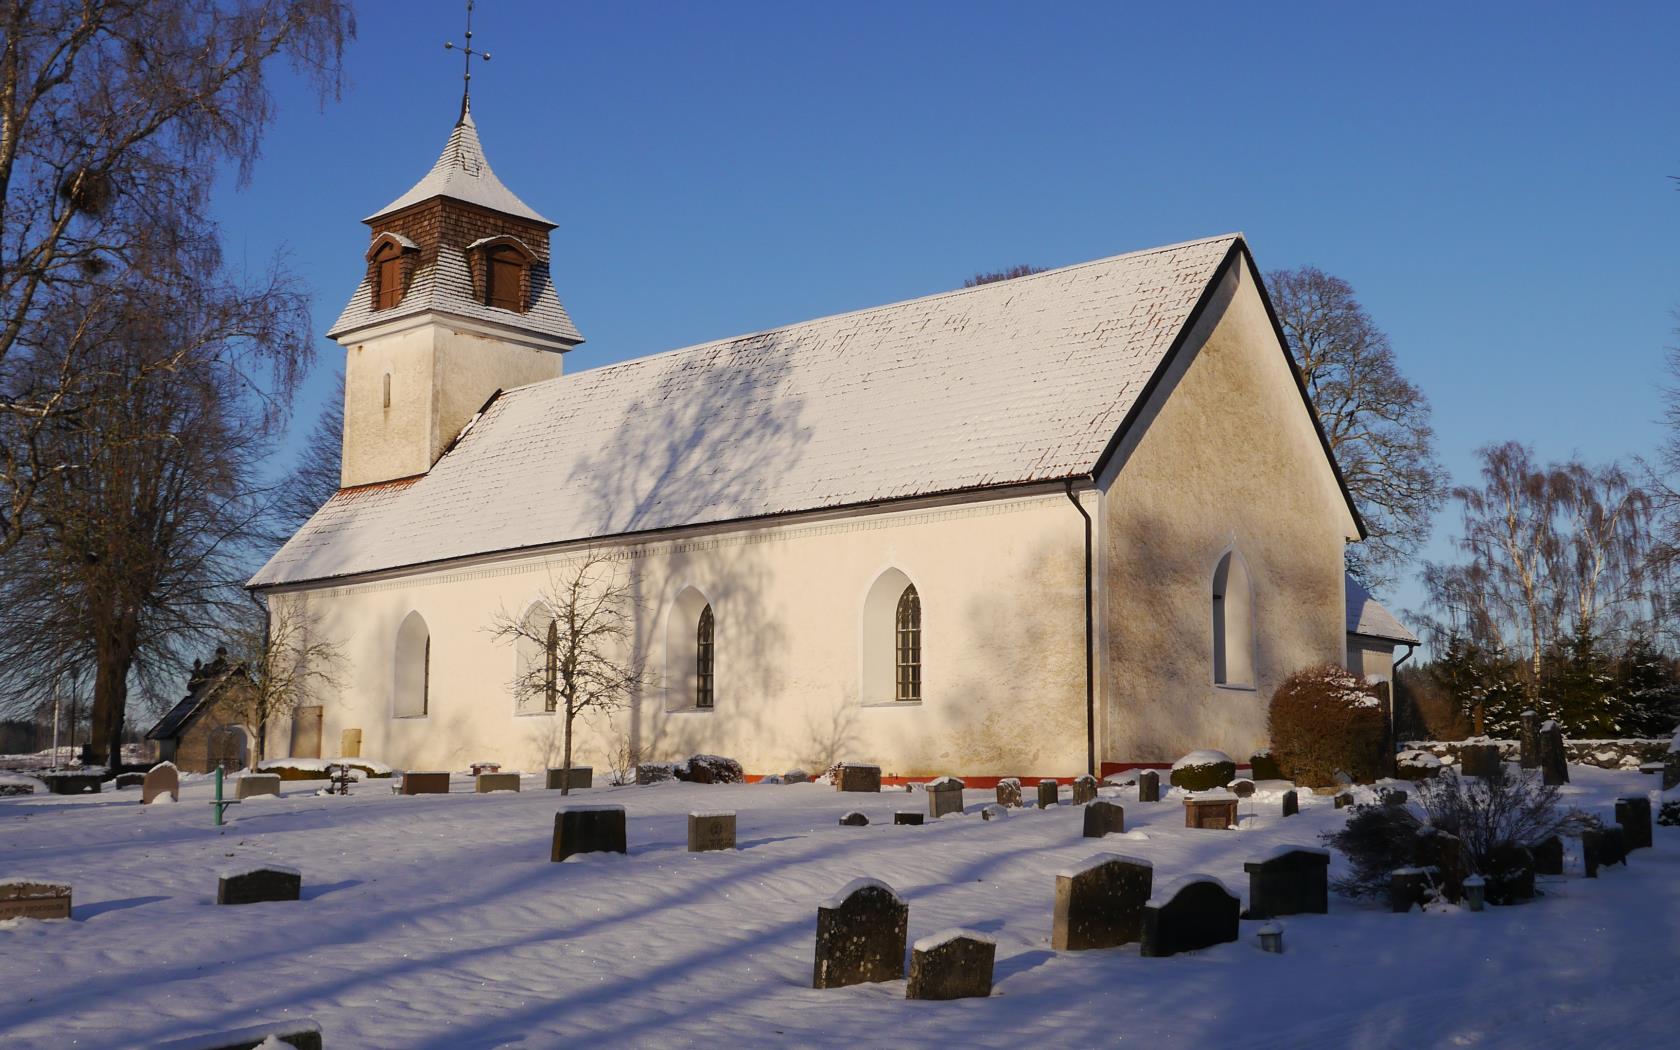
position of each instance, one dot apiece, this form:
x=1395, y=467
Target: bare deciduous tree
x=578, y=635
x=1376, y=420
x=288, y=664
x=992, y=277
x=315, y=478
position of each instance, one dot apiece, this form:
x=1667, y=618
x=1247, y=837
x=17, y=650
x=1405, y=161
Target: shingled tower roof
x=462, y=173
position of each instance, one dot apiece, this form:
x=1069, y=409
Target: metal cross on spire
x=467, y=54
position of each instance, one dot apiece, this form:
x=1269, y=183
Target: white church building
x=1059, y=523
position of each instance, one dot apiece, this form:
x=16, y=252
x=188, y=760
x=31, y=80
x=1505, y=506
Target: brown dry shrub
x=1324, y=721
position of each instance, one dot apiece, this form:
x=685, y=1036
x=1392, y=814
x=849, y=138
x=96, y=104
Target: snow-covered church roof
x=1365, y=616
x=1018, y=381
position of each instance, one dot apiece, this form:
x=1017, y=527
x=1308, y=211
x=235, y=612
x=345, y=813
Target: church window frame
x=411, y=679
x=705, y=646
x=907, y=649
x=1234, y=655
x=691, y=653
x=892, y=642
x=537, y=664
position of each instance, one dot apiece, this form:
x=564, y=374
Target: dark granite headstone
x=1592, y=849
x=911, y=817
x=1099, y=903
x=1293, y=880
x=1343, y=800
x=954, y=965
x=710, y=831
x=944, y=795
x=425, y=782
x=588, y=829
x=1613, y=846
x=1510, y=875
x=1008, y=794
x=1548, y=856
x=1409, y=887
x=860, y=936
x=572, y=779
x=1528, y=740
x=1394, y=797
x=1241, y=788
x=1103, y=818
x=1084, y=789
x=1554, y=758
x=129, y=780
x=857, y=778
x=1149, y=786
x=1633, y=813
x=73, y=783
x=1443, y=853
x=1478, y=760
x=1291, y=803
x=1049, y=794
x=1197, y=913
x=259, y=885
x=854, y=819
x=34, y=900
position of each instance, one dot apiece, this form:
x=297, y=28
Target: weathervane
x=467, y=54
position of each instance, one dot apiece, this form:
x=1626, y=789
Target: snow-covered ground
x=438, y=921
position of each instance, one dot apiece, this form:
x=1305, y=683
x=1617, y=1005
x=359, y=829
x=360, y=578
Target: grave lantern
x=1271, y=938
x=1475, y=892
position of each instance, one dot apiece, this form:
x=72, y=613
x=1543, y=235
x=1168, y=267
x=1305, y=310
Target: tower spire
x=467, y=55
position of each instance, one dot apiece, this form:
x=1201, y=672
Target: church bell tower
x=456, y=303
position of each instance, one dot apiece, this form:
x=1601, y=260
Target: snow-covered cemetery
x=1168, y=645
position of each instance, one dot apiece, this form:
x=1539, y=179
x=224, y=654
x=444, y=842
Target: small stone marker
x=1528, y=740
x=1049, y=794
x=299, y=1034
x=1393, y=797
x=1194, y=913
x=161, y=779
x=796, y=776
x=1478, y=760
x=588, y=829
x=578, y=777
x=428, y=782
x=860, y=936
x=911, y=817
x=1554, y=759
x=944, y=796
x=129, y=780
x=1210, y=812
x=1099, y=903
x=1241, y=788
x=1343, y=800
x=73, y=783
x=854, y=819
x=1291, y=803
x=484, y=783
x=1149, y=786
x=1408, y=887
x=1291, y=880
x=710, y=831
x=480, y=768
x=253, y=784
x=858, y=778
x=1633, y=813
x=1548, y=856
x=956, y=964
x=1443, y=853
x=1084, y=789
x=994, y=812
x=259, y=885
x=1511, y=879
x=1008, y=794
x=1103, y=818
x=34, y=900
x=1614, y=848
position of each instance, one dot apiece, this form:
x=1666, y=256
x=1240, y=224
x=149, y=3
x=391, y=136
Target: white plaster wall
x=1000, y=582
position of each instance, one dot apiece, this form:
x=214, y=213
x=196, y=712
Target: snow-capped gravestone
x=1528, y=740
x=1478, y=760
x=1290, y=880
x=1099, y=903
x=484, y=783
x=31, y=899
x=253, y=784
x=955, y=964
x=1084, y=789
x=1548, y=856
x=1149, y=786
x=1510, y=878
x=572, y=779
x=1009, y=792
x=994, y=812
x=425, y=782
x=860, y=936
x=1392, y=797
x=1241, y=788
x=710, y=831
x=125, y=781
x=1192, y=913
x=1343, y=799
x=1409, y=887
x=851, y=777
x=259, y=885
x=588, y=829
x=1216, y=811
x=1103, y=818
x=1554, y=760
x=854, y=819
x=1291, y=803
x=1049, y=793
x=1633, y=813
x=299, y=1034
x=944, y=795
x=162, y=779
x=1443, y=853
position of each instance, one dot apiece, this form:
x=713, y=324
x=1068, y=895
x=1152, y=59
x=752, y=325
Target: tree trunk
x=566, y=759
x=114, y=659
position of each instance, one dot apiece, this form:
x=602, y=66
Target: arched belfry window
x=892, y=641
x=501, y=271
x=411, y=680
x=907, y=635
x=387, y=268
x=1233, y=623
x=703, y=660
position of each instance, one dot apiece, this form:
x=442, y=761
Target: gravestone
x=1671, y=766
x=298, y=1034
x=1291, y=880
x=857, y=778
x=1443, y=853
x=912, y=817
x=1291, y=803
x=162, y=779
x=1103, y=818
x=1554, y=759
x=1393, y=797
x=1099, y=903
x=29, y=899
x=1510, y=878
x=478, y=769
x=1149, y=786
x=944, y=795
x=129, y=780
x=1528, y=740
x=1548, y=856
x=710, y=831
x=994, y=812
x=571, y=780
x=1241, y=788
x=860, y=936
x=588, y=829
x=253, y=784
x=484, y=783
x=73, y=783
x=1084, y=789
x=1633, y=813
x=1614, y=848
x=951, y=965
x=259, y=885
x=1193, y=913
x=427, y=782
x=1478, y=760
x=1343, y=800
x=1049, y=794
x=1008, y=794
x=796, y=776
x=1408, y=887
x=854, y=819
x=1210, y=812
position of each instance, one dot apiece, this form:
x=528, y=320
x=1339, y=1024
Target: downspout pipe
x=1090, y=643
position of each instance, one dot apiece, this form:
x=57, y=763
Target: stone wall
x=1605, y=754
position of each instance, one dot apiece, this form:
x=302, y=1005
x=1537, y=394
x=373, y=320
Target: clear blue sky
x=1492, y=179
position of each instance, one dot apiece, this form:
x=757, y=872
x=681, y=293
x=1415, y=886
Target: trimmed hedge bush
x=1203, y=771
x=1265, y=766
x=1324, y=721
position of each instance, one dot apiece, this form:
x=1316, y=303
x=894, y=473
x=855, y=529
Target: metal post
x=55, y=723
x=219, y=806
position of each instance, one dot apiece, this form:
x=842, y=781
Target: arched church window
x=388, y=277
x=504, y=280
x=1233, y=623
x=537, y=648
x=411, y=681
x=703, y=660
x=551, y=668
x=892, y=641
x=908, y=636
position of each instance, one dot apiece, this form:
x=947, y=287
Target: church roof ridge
x=463, y=173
